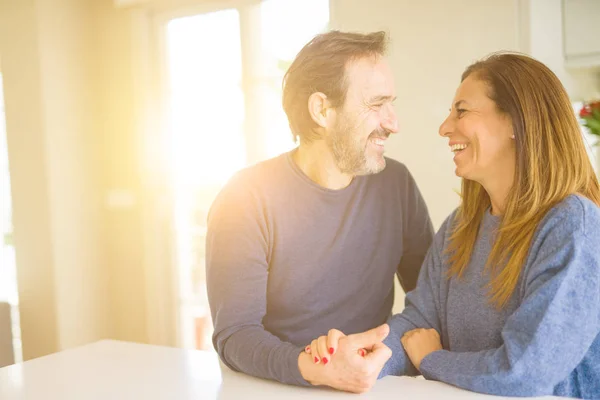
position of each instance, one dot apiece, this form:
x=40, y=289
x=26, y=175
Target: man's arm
x=237, y=271
x=417, y=234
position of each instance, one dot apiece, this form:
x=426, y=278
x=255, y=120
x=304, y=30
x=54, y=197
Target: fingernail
x=331, y=350
x=325, y=360
x=362, y=352
x=307, y=349
x=316, y=360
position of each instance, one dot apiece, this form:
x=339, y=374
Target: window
x=8, y=270
x=224, y=70
x=286, y=26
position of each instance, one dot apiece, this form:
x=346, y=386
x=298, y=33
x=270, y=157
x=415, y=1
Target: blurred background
x=121, y=119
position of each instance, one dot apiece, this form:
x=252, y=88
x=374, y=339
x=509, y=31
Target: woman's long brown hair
x=551, y=164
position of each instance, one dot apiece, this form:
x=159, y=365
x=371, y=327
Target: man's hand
x=418, y=343
x=350, y=371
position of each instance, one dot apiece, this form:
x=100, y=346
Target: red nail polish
x=362, y=352
x=325, y=360
x=316, y=360
x=307, y=349
x=331, y=350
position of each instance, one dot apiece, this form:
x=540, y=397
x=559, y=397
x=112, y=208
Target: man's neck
x=316, y=161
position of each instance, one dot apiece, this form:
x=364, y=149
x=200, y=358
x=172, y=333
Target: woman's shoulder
x=567, y=242
x=575, y=214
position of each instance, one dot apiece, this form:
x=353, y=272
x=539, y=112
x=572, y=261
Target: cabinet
x=581, y=33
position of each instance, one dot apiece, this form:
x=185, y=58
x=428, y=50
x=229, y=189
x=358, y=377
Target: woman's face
x=480, y=136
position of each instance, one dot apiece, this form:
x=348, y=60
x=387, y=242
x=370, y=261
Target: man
x=311, y=240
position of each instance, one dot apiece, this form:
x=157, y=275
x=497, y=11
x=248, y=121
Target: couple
x=302, y=249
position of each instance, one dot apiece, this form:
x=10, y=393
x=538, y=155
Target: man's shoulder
x=258, y=175
x=250, y=185
x=263, y=169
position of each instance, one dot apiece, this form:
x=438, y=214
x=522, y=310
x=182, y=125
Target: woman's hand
x=324, y=347
x=419, y=343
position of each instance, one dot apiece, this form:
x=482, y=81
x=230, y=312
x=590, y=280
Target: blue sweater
x=544, y=342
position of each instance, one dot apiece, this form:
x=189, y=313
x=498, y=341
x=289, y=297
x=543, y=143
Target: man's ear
x=318, y=107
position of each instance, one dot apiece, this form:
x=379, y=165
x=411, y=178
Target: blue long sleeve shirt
x=545, y=341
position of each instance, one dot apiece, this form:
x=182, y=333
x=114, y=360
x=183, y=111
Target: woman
x=508, y=299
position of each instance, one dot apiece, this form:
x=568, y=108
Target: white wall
x=29, y=186
x=69, y=77
x=121, y=150
x=67, y=53
x=48, y=63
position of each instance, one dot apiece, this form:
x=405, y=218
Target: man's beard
x=350, y=155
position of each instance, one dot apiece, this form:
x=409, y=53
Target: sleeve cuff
x=398, y=364
x=293, y=367
x=432, y=364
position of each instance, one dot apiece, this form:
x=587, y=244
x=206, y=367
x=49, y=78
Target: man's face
x=366, y=119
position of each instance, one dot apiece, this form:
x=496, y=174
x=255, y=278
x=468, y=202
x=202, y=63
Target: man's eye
x=460, y=111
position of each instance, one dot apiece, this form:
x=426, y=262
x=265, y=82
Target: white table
x=118, y=370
